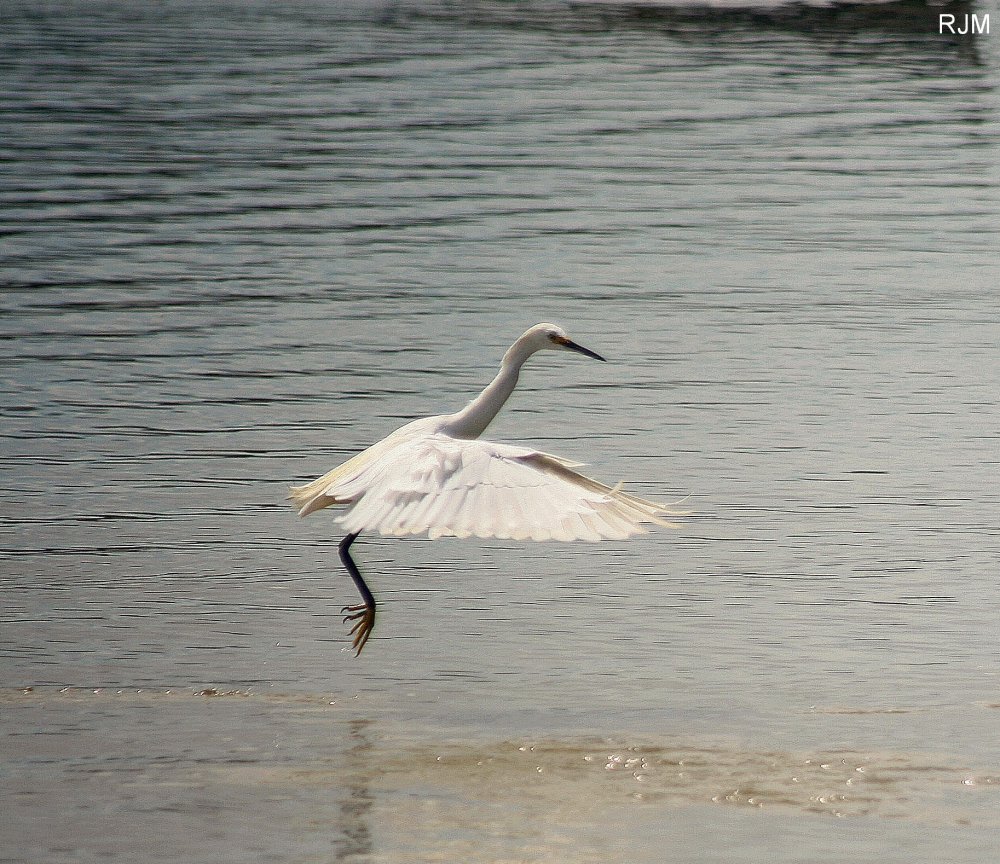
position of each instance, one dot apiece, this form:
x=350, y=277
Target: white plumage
x=434, y=475
x=429, y=482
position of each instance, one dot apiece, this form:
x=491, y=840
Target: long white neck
x=473, y=419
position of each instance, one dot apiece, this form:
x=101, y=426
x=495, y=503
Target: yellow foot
x=364, y=619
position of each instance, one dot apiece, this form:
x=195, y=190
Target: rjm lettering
x=947, y=21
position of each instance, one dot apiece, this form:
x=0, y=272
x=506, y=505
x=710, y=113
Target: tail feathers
x=310, y=505
x=315, y=495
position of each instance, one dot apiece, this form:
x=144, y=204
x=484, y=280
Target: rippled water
x=241, y=242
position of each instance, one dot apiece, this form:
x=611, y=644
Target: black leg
x=363, y=615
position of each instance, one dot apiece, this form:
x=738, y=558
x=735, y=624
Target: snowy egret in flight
x=435, y=475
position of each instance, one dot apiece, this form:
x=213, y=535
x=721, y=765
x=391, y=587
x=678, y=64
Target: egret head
x=543, y=336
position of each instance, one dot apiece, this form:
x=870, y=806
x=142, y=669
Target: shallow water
x=241, y=243
x=309, y=778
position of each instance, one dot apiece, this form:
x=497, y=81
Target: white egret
x=435, y=475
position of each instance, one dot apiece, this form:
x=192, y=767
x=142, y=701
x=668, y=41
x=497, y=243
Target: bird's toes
x=362, y=628
x=360, y=640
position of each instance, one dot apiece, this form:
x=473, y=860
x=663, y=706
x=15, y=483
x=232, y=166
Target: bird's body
x=434, y=475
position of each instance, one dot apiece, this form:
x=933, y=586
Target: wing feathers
x=452, y=487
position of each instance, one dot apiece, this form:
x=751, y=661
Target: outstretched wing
x=453, y=487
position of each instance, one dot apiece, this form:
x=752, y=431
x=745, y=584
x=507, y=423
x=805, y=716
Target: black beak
x=586, y=351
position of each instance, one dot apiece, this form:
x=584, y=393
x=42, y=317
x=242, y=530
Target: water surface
x=241, y=243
